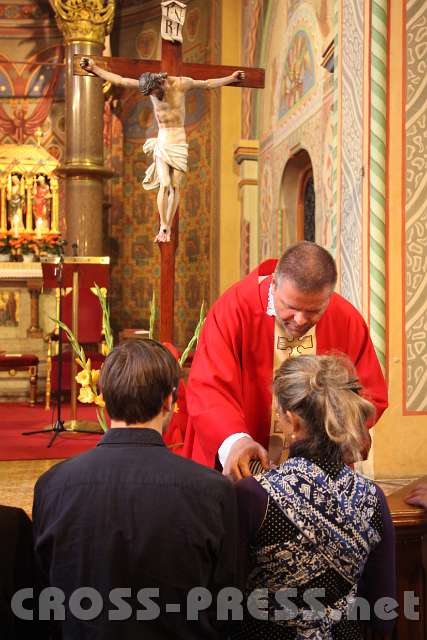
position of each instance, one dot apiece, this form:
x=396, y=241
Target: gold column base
x=83, y=425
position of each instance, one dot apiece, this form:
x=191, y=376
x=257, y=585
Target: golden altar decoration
x=28, y=190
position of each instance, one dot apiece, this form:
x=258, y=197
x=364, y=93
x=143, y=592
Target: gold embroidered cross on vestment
x=295, y=346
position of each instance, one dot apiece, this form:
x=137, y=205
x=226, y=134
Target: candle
x=39, y=225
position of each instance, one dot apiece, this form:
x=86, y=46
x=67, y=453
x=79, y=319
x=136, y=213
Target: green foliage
x=195, y=339
x=153, y=315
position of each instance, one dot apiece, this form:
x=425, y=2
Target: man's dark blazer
x=130, y=514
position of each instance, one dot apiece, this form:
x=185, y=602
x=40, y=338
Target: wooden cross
x=171, y=62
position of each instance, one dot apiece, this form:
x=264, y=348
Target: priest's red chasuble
x=229, y=388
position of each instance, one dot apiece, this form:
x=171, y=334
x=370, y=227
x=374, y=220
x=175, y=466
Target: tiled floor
x=17, y=480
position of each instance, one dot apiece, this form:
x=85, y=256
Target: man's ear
x=168, y=403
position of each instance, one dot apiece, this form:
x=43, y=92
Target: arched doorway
x=298, y=200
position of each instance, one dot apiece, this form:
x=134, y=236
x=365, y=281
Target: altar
x=25, y=312
x=29, y=229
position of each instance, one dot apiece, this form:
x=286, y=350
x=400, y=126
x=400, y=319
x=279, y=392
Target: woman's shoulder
x=252, y=501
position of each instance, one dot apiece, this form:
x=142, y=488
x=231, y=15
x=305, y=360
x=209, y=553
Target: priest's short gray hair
x=308, y=266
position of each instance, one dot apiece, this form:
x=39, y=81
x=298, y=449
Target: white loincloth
x=169, y=146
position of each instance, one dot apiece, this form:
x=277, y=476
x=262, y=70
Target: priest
x=282, y=309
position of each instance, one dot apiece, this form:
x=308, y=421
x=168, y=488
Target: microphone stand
x=58, y=427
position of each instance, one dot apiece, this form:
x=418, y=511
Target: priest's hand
x=241, y=454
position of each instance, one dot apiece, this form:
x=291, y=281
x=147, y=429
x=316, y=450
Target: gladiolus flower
x=99, y=400
x=95, y=375
x=83, y=377
x=86, y=395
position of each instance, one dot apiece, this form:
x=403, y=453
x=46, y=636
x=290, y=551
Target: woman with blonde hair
x=317, y=534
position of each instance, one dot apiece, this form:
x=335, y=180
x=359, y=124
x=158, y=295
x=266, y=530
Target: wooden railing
x=411, y=559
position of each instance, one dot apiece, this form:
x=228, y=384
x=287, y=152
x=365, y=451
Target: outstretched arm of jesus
x=214, y=83
x=88, y=65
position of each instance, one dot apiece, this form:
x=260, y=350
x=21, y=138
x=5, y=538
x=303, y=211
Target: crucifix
x=166, y=81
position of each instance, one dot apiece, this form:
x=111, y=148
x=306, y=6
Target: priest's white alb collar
x=271, y=311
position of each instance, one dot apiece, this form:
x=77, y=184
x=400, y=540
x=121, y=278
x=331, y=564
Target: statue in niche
x=41, y=204
x=15, y=194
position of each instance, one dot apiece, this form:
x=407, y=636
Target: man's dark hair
x=136, y=378
x=308, y=266
x=149, y=81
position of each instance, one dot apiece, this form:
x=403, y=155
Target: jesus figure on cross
x=170, y=148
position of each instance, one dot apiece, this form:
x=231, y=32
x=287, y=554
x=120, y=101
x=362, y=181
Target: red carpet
x=16, y=418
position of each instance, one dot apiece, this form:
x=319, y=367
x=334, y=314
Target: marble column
x=84, y=26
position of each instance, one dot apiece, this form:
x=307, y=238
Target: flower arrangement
x=5, y=246
x=88, y=378
x=24, y=244
x=50, y=244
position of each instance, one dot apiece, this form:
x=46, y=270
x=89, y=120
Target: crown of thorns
x=149, y=81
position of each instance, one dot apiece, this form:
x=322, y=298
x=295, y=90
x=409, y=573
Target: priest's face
x=298, y=310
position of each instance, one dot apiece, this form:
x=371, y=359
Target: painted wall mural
x=298, y=73
x=9, y=308
x=266, y=207
x=416, y=207
x=351, y=242
x=326, y=234
x=30, y=95
x=252, y=18
x=301, y=99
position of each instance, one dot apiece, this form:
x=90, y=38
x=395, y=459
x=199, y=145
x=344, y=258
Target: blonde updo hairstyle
x=324, y=392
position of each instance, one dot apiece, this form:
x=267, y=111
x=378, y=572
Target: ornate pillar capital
x=84, y=20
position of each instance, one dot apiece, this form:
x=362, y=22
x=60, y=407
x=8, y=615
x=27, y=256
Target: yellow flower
x=95, y=375
x=102, y=290
x=104, y=349
x=83, y=377
x=86, y=395
x=99, y=400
